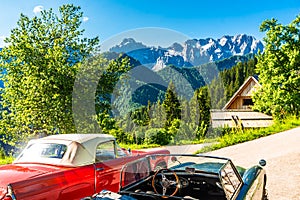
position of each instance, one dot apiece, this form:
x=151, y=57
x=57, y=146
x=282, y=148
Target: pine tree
x=204, y=105
x=171, y=105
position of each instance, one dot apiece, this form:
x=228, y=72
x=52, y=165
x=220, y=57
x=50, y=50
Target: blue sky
x=113, y=19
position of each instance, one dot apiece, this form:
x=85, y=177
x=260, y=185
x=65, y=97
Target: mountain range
x=193, y=52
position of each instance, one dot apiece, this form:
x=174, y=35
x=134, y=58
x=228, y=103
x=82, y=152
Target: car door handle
x=99, y=169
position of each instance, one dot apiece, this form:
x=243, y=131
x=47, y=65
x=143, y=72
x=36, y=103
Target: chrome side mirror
x=262, y=162
x=129, y=151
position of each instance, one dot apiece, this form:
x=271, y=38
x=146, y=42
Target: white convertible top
x=81, y=148
x=80, y=138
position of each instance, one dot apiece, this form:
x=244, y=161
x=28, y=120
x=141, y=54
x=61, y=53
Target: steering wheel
x=164, y=182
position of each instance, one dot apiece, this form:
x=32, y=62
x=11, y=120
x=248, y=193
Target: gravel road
x=282, y=153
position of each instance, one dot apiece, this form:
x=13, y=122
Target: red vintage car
x=67, y=166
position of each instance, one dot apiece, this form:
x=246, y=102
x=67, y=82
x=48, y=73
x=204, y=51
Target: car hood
x=211, y=167
x=215, y=168
x=18, y=172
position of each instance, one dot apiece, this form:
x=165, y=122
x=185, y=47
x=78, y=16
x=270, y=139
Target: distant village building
x=237, y=111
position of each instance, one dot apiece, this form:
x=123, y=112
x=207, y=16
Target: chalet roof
x=240, y=90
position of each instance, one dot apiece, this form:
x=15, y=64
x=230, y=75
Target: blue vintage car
x=189, y=177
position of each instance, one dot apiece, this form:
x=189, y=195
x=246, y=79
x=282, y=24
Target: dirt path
x=282, y=153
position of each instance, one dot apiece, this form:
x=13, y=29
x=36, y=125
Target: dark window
x=247, y=102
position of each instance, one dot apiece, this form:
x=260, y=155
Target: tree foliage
x=172, y=105
x=39, y=66
x=279, y=69
x=223, y=87
x=107, y=81
x=201, y=101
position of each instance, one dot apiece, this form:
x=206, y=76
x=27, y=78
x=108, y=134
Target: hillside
x=147, y=85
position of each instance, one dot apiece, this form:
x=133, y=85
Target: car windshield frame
x=230, y=180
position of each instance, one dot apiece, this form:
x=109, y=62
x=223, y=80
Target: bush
x=185, y=133
x=2, y=153
x=157, y=136
x=6, y=160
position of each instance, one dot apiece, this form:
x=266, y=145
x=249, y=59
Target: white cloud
x=85, y=19
x=38, y=9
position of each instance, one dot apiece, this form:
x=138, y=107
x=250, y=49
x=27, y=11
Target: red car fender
x=69, y=184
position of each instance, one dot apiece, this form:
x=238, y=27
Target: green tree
x=217, y=91
x=110, y=74
x=157, y=136
x=157, y=115
x=279, y=69
x=140, y=116
x=109, y=125
x=92, y=94
x=171, y=105
x=201, y=101
x=39, y=66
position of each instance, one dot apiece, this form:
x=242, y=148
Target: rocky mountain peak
x=192, y=52
x=127, y=45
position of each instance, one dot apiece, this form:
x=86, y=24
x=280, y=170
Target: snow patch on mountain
x=192, y=52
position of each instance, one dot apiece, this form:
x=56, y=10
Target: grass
x=147, y=146
x=139, y=146
x=240, y=136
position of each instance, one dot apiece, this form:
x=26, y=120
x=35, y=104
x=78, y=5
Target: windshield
x=230, y=180
x=40, y=151
x=143, y=167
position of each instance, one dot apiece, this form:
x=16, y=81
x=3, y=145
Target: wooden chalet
x=242, y=98
x=237, y=111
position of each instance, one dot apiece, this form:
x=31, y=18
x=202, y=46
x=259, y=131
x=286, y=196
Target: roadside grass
x=139, y=146
x=239, y=136
x=181, y=142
